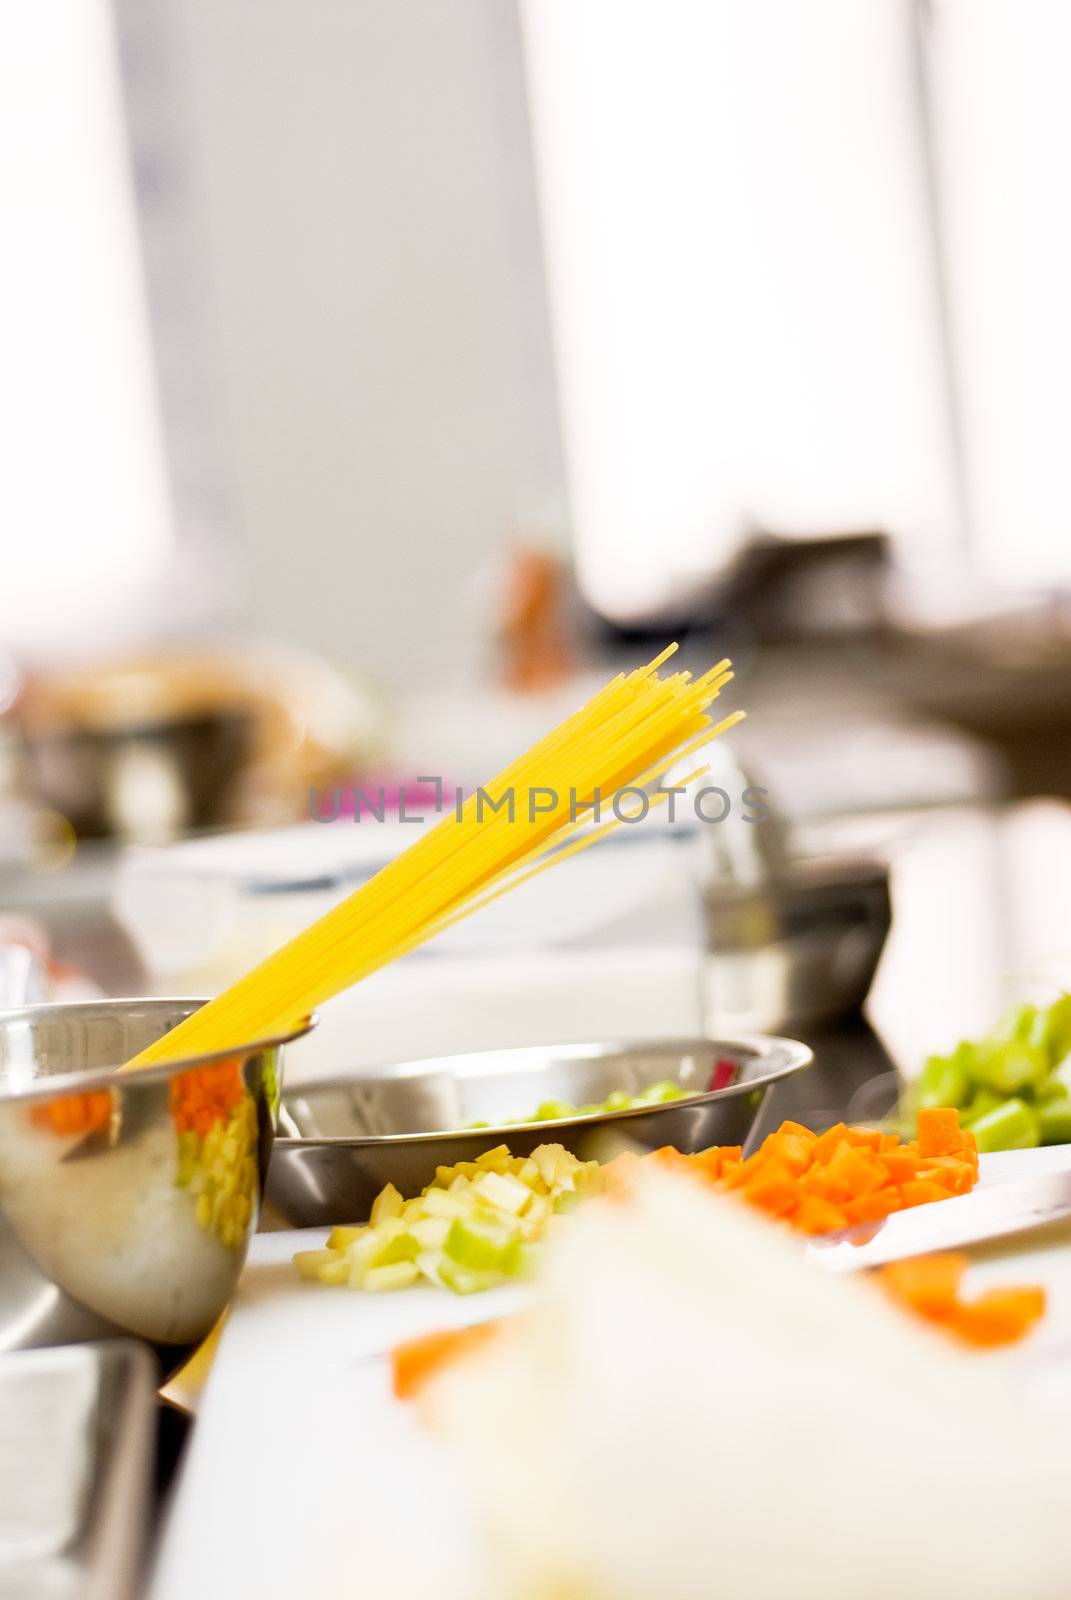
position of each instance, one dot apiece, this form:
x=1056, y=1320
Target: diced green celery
x=1057, y=1039
x=505, y=1193
x=388, y=1203
x=402, y=1247
x=430, y=1232
x=554, y=1111
x=1054, y=1088
x=1011, y=1067
x=1054, y=1121
x=1017, y=1023
x=462, y=1280
x=341, y=1238
x=429, y=1264
x=437, y=1203
x=495, y=1159
x=399, y=1275
x=546, y=1159
x=480, y=1246
x=538, y=1210
x=661, y=1093
x=619, y=1100
x=982, y=1101
x=1011, y=1126
x=943, y=1081
x=311, y=1262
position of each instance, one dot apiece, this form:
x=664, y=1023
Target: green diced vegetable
x=481, y=1246
x=1011, y=1126
x=942, y=1082
x=981, y=1101
x=1054, y=1121
x=1017, y=1025
x=554, y=1111
x=1011, y=1067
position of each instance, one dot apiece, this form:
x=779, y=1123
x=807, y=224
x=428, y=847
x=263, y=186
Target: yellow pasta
x=628, y=736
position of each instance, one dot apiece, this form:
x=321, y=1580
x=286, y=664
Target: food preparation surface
x=306, y=1478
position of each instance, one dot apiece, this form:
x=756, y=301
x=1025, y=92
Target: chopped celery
x=1011, y=1067
x=482, y=1246
x=401, y=1275
x=463, y=1280
x=1054, y=1121
x=388, y=1203
x=1010, y=1126
x=478, y=1225
x=942, y=1082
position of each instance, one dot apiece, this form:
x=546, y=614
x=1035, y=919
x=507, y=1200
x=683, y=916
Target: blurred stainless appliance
x=789, y=940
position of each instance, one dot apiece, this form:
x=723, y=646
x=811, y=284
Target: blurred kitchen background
x=378, y=377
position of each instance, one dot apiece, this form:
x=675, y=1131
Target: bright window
x=83, y=494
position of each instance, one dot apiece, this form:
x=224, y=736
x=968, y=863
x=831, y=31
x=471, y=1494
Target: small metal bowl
x=126, y=1201
x=341, y=1141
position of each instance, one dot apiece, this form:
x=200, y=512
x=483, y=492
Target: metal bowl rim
x=799, y=1056
x=105, y=1077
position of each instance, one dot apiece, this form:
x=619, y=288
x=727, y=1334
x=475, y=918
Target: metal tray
x=76, y=1454
x=339, y=1142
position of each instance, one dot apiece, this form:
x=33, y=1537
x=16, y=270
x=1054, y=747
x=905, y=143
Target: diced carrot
x=862, y=1175
x=900, y=1167
x=873, y=1207
x=798, y=1129
x=416, y=1361
x=921, y=1191
x=825, y=1146
x=817, y=1216
x=844, y=1176
x=790, y=1149
x=952, y=1172
x=929, y=1284
x=667, y=1156
x=939, y=1131
x=864, y=1138
x=998, y=1316
x=773, y=1188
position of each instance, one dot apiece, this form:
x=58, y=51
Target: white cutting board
x=304, y=1475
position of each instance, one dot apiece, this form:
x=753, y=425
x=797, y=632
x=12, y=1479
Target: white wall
x=375, y=285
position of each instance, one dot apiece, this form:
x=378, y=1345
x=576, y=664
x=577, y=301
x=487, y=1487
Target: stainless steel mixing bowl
x=126, y=1201
x=341, y=1141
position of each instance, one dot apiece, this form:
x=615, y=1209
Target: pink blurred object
x=388, y=796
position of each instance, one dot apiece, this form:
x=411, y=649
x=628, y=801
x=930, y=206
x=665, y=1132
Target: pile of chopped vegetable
x=821, y=1183
x=473, y=1228
x=1013, y=1086
x=479, y=1223
x=930, y=1286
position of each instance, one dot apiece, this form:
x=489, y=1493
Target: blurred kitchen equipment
x=790, y=941
x=23, y=964
x=342, y=1141
x=789, y=588
x=126, y=1202
x=151, y=780
x=152, y=747
x=76, y=1452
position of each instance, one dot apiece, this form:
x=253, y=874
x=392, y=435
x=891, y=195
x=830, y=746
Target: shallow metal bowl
x=126, y=1201
x=341, y=1141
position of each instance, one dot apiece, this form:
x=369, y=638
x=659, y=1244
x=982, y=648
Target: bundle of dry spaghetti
x=540, y=810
